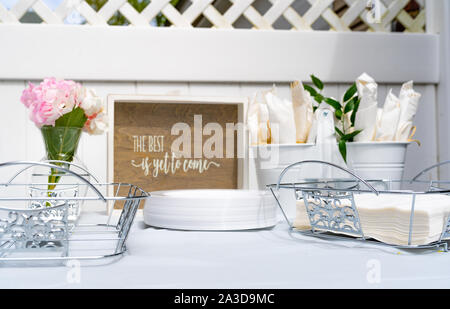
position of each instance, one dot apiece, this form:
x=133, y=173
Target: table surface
x=270, y=258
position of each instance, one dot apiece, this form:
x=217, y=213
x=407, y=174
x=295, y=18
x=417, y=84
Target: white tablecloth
x=272, y=258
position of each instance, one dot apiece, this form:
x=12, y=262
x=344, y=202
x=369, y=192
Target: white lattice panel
x=377, y=15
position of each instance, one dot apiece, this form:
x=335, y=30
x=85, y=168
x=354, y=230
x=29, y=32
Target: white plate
x=210, y=209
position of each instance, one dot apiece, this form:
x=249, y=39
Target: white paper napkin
x=409, y=101
x=281, y=117
x=390, y=116
x=367, y=112
x=303, y=111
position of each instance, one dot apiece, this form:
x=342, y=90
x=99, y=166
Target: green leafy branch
x=348, y=108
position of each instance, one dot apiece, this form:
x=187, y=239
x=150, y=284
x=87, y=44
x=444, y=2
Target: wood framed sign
x=176, y=142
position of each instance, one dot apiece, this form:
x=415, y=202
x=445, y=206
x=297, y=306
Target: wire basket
x=39, y=226
x=332, y=211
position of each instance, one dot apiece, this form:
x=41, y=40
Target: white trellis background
x=389, y=10
x=187, y=59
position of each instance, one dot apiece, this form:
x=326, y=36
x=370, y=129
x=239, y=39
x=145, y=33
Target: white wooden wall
x=21, y=140
x=223, y=62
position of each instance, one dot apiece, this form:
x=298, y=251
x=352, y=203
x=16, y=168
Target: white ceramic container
x=211, y=209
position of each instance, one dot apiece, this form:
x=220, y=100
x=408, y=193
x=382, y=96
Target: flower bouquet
x=62, y=109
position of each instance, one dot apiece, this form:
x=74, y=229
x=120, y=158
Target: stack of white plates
x=210, y=209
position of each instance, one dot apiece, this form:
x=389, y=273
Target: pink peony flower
x=28, y=96
x=51, y=99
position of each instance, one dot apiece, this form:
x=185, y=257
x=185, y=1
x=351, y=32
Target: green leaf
x=343, y=149
x=319, y=98
x=350, y=105
x=76, y=119
x=335, y=104
x=350, y=136
x=338, y=114
x=350, y=92
x=315, y=108
x=317, y=82
x=339, y=132
x=355, y=110
x=311, y=90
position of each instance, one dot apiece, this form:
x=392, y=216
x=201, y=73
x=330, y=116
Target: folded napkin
x=386, y=217
x=367, y=112
x=388, y=122
x=258, y=119
x=281, y=117
x=303, y=111
x=409, y=101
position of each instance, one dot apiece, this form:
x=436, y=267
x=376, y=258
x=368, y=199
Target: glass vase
x=61, y=144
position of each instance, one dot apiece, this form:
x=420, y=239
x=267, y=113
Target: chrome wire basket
x=39, y=225
x=333, y=213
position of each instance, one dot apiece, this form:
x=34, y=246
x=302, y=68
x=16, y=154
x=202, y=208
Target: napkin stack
x=387, y=217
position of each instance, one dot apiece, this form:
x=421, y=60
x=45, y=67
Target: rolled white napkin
x=409, y=102
x=303, y=111
x=281, y=117
x=367, y=112
x=387, y=127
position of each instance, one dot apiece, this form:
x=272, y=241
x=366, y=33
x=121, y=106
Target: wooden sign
x=170, y=142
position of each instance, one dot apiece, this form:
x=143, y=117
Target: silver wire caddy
x=333, y=214
x=42, y=226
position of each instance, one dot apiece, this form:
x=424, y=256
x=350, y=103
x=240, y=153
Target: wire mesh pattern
x=332, y=212
x=42, y=226
x=336, y=15
x=31, y=229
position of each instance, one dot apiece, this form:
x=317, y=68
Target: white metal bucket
x=377, y=160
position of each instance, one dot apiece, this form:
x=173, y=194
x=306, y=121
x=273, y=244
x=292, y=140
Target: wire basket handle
x=428, y=169
x=52, y=162
x=325, y=163
x=62, y=169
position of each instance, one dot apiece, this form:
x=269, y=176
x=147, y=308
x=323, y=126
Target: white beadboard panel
x=13, y=120
x=248, y=89
x=217, y=55
x=443, y=91
x=420, y=157
x=151, y=88
x=215, y=89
